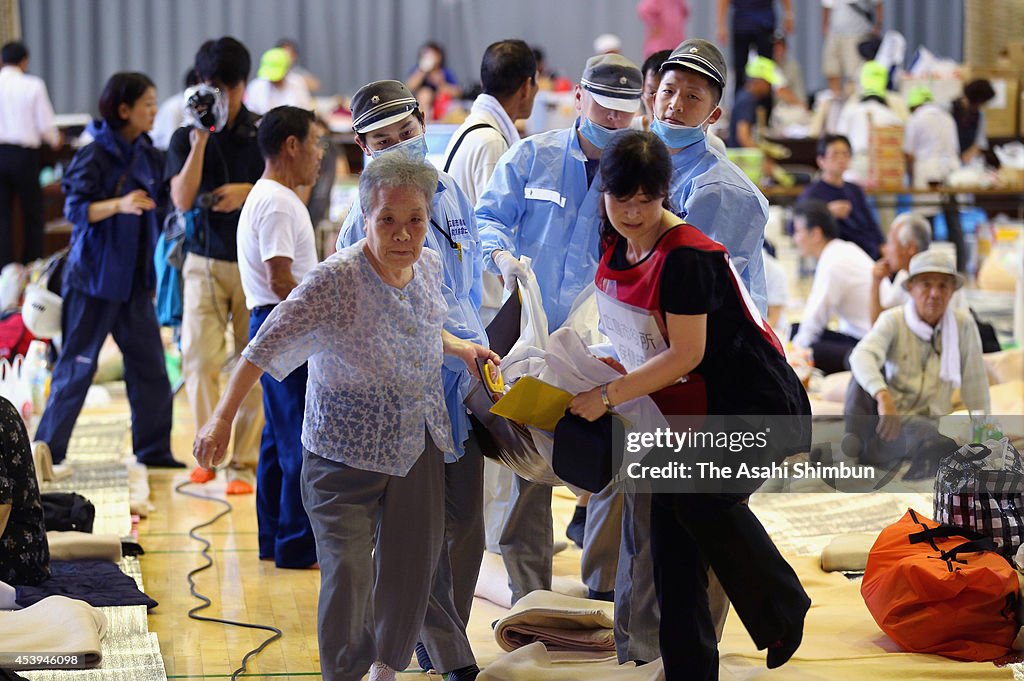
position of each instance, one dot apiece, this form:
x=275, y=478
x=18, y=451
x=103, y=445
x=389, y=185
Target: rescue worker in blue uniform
x=708, y=191
x=542, y=202
x=111, y=186
x=387, y=119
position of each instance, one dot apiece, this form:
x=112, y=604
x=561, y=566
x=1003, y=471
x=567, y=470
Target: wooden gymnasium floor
x=244, y=588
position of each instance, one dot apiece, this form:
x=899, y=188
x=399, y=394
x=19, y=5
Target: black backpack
x=67, y=511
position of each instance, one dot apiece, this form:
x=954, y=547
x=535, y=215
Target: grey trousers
x=601, y=539
x=527, y=539
x=637, y=613
x=443, y=633
x=378, y=538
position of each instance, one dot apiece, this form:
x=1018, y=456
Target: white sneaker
x=381, y=672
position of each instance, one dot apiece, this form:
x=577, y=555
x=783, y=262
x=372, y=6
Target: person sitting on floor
x=909, y=234
x=907, y=366
x=24, y=553
x=841, y=287
x=846, y=201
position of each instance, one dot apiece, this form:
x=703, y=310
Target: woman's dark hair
x=634, y=161
x=979, y=92
x=122, y=88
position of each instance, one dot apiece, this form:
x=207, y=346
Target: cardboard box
x=1015, y=53
x=1001, y=114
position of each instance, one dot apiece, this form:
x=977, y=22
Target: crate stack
x=887, y=166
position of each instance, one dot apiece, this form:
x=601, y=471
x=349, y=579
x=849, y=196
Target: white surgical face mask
x=677, y=136
x=414, y=148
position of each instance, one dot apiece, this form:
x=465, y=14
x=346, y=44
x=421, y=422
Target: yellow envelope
x=533, y=402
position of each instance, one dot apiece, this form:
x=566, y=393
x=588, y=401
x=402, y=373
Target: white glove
x=510, y=268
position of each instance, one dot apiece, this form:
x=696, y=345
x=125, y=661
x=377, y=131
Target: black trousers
x=689, y=532
x=19, y=176
x=831, y=351
x=742, y=41
x=954, y=230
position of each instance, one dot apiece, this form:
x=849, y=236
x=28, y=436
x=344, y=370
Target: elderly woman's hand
x=468, y=352
x=211, y=444
x=588, y=405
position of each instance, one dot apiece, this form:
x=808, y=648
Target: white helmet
x=41, y=311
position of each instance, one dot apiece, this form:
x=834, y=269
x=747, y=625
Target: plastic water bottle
x=37, y=373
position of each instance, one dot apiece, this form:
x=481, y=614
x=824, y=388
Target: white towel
x=63, y=627
x=84, y=546
x=491, y=106
x=949, y=358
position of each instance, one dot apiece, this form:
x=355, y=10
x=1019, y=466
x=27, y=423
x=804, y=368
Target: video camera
x=206, y=107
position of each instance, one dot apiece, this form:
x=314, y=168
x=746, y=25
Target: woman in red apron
x=688, y=335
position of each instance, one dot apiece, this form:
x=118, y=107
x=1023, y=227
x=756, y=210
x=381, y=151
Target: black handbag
x=67, y=511
x=584, y=454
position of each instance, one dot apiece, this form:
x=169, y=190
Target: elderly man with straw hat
x=906, y=368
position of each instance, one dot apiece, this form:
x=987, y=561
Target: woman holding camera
x=676, y=310
x=111, y=188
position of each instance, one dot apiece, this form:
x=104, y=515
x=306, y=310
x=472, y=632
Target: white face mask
x=677, y=136
x=414, y=148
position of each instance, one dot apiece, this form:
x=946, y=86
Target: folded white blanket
x=84, y=546
x=535, y=663
x=558, y=621
x=64, y=632
x=848, y=552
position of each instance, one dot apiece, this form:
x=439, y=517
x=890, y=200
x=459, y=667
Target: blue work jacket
x=538, y=204
x=104, y=256
x=462, y=286
x=713, y=195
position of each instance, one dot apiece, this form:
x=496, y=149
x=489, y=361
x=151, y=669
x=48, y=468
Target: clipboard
x=533, y=402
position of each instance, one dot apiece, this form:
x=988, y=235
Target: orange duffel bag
x=935, y=588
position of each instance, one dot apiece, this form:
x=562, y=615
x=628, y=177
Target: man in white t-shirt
x=275, y=85
x=845, y=24
x=841, y=287
x=276, y=249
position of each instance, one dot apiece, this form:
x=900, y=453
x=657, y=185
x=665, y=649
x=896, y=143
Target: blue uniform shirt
x=713, y=195
x=538, y=204
x=452, y=214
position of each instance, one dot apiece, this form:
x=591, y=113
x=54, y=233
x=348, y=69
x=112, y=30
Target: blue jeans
x=284, y=531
